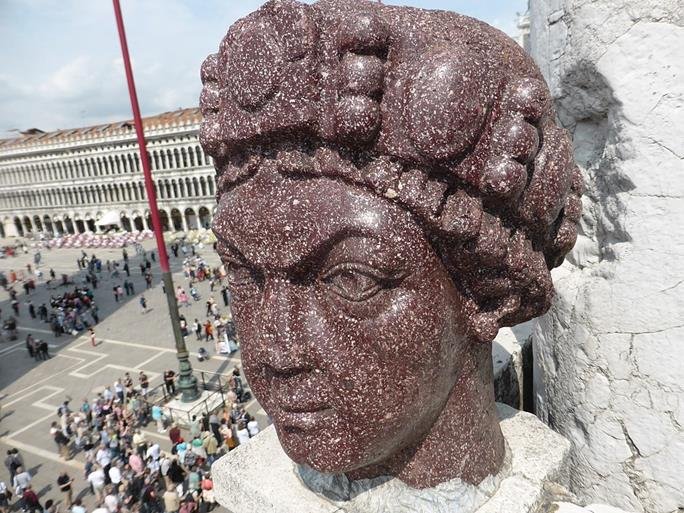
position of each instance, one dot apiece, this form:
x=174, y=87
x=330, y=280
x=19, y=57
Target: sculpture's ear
x=484, y=326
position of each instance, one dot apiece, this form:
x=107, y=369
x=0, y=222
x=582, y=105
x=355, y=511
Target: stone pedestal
x=182, y=412
x=260, y=478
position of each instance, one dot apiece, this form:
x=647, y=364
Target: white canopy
x=108, y=218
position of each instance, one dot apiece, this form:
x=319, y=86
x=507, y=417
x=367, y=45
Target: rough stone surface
x=268, y=481
x=393, y=189
x=610, y=353
x=567, y=507
x=512, y=360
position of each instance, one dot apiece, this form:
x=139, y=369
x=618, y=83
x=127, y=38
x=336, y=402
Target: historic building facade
x=65, y=181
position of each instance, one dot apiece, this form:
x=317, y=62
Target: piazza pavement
x=128, y=341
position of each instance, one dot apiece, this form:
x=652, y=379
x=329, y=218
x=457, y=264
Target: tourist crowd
x=126, y=471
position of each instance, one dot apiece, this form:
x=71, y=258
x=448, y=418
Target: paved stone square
x=128, y=341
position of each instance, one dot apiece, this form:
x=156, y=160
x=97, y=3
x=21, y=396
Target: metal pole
x=187, y=383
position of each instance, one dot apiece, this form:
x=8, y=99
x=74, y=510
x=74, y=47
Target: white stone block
x=260, y=478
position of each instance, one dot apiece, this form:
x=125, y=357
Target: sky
x=61, y=66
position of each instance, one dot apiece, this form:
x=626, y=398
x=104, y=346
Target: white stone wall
x=609, y=369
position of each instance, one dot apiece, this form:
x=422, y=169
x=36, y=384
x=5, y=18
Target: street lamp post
x=187, y=382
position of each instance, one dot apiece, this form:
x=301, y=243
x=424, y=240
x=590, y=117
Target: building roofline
x=36, y=137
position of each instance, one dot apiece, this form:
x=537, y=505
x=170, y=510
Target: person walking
x=43, y=351
x=97, y=482
x=61, y=440
x=225, y=295
x=143, y=304
x=91, y=336
x=21, y=480
x=197, y=328
x=78, y=506
x=170, y=381
x=30, y=501
x=30, y=344
x=65, y=482
x=171, y=499
x=144, y=383
x=5, y=496
x=127, y=269
x=94, y=313
x=13, y=462
x=209, y=331
x=181, y=296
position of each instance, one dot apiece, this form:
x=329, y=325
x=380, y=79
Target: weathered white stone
x=512, y=359
x=567, y=507
x=260, y=478
x=609, y=369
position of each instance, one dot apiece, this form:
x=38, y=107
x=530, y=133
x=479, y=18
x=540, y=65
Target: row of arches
x=70, y=167
x=172, y=220
x=189, y=187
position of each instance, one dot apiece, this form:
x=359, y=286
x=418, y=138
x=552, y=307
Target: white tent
x=109, y=218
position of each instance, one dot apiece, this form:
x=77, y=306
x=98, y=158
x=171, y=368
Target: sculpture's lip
x=305, y=420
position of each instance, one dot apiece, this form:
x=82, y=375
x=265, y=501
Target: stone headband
x=454, y=123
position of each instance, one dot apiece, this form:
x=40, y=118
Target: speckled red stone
x=392, y=190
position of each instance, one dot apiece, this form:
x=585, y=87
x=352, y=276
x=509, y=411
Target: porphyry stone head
x=392, y=190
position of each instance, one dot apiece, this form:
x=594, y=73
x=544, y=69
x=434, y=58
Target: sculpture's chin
x=318, y=451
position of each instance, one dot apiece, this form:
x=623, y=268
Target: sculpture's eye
x=354, y=282
x=243, y=280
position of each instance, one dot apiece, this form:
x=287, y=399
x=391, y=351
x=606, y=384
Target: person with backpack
x=30, y=500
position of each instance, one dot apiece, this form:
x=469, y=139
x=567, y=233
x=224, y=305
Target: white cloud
x=61, y=62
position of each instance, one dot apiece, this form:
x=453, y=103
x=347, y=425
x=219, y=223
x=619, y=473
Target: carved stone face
x=393, y=190
x=347, y=317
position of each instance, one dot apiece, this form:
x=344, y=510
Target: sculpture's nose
x=284, y=333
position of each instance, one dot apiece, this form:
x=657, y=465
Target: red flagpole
x=147, y=171
x=187, y=382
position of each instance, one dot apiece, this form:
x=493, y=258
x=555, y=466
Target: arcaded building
x=65, y=181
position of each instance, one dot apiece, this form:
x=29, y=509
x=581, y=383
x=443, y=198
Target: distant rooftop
x=36, y=136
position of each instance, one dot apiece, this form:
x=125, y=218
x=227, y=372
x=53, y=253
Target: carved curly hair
x=437, y=112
